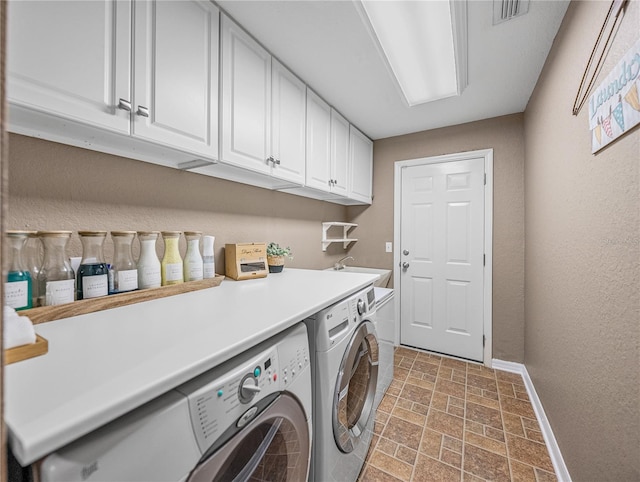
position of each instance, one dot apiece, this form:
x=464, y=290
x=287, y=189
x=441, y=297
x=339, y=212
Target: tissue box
x=246, y=260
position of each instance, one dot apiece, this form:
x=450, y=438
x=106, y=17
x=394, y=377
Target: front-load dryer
x=247, y=419
x=345, y=370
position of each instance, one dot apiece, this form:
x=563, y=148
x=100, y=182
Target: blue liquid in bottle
x=88, y=270
x=18, y=294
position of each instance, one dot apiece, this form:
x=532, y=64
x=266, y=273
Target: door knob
x=405, y=265
x=406, y=252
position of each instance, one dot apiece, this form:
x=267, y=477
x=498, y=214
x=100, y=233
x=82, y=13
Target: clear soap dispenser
x=93, y=273
x=172, y=270
x=123, y=269
x=19, y=285
x=192, y=259
x=148, y=263
x=56, y=280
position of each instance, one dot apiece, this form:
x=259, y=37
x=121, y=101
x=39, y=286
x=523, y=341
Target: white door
x=441, y=257
x=361, y=157
x=176, y=75
x=318, y=142
x=288, y=113
x=339, y=154
x=245, y=99
x=71, y=59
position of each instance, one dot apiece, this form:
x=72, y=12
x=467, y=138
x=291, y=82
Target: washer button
x=220, y=393
x=257, y=372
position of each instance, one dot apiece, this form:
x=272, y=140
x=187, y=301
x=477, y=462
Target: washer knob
x=248, y=389
x=361, y=307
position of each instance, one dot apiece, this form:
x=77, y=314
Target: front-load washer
x=345, y=370
x=247, y=419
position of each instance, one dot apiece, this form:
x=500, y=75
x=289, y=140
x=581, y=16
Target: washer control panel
x=227, y=394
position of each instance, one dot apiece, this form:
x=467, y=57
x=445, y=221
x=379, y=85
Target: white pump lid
x=207, y=245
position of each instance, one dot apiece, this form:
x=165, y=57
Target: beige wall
x=505, y=136
x=583, y=250
x=54, y=186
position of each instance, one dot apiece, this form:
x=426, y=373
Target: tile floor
x=444, y=419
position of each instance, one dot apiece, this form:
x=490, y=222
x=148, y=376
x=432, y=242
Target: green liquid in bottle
x=15, y=294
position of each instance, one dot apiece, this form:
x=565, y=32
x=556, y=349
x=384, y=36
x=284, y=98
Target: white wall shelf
x=345, y=240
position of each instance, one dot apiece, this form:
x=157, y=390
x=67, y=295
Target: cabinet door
x=289, y=107
x=339, y=154
x=361, y=157
x=318, y=142
x=246, y=99
x=71, y=59
x=176, y=75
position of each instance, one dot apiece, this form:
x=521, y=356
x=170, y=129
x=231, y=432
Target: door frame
x=487, y=155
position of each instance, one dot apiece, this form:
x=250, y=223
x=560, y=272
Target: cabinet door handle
x=142, y=111
x=278, y=162
x=124, y=105
x=270, y=159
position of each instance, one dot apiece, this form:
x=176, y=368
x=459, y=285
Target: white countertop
x=104, y=364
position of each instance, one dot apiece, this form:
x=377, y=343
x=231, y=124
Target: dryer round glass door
x=273, y=447
x=355, y=388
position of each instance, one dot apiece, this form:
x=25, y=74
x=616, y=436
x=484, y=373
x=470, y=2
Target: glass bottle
x=33, y=251
x=148, y=262
x=56, y=280
x=172, y=273
x=123, y=268
x=209, y=266
x=18, y=288
x=192, y=259
x=93, y=273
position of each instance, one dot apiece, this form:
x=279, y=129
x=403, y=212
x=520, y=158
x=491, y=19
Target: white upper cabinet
x=327, y=148
x=177, y=83
x=318, y=142
x=361, y=177
x=263, y=110
x=175, y=99
x=71, y=60
x=288, y=114
x=339, y=154
x=246, y=99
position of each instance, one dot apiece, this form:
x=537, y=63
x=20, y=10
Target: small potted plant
x=275, y=257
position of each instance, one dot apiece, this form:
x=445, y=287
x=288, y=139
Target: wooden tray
x=19, y=353
x=44, y=314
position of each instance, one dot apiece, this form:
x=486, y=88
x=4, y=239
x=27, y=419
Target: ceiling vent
x=504, y=10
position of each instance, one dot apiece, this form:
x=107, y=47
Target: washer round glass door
x=273, y=447
x=355, y=387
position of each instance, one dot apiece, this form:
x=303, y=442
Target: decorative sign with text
x=614, y=107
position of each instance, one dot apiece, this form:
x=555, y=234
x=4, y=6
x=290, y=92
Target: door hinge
x=484, y=340
x=484, y=260
x=485, y=178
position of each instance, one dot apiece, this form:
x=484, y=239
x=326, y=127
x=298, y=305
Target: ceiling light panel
x=417, y=39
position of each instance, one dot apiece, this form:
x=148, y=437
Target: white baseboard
x=554, y=450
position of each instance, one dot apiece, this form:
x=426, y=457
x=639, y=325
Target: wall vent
x=504, y=10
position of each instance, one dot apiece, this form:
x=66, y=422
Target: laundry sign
x=614, y=107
